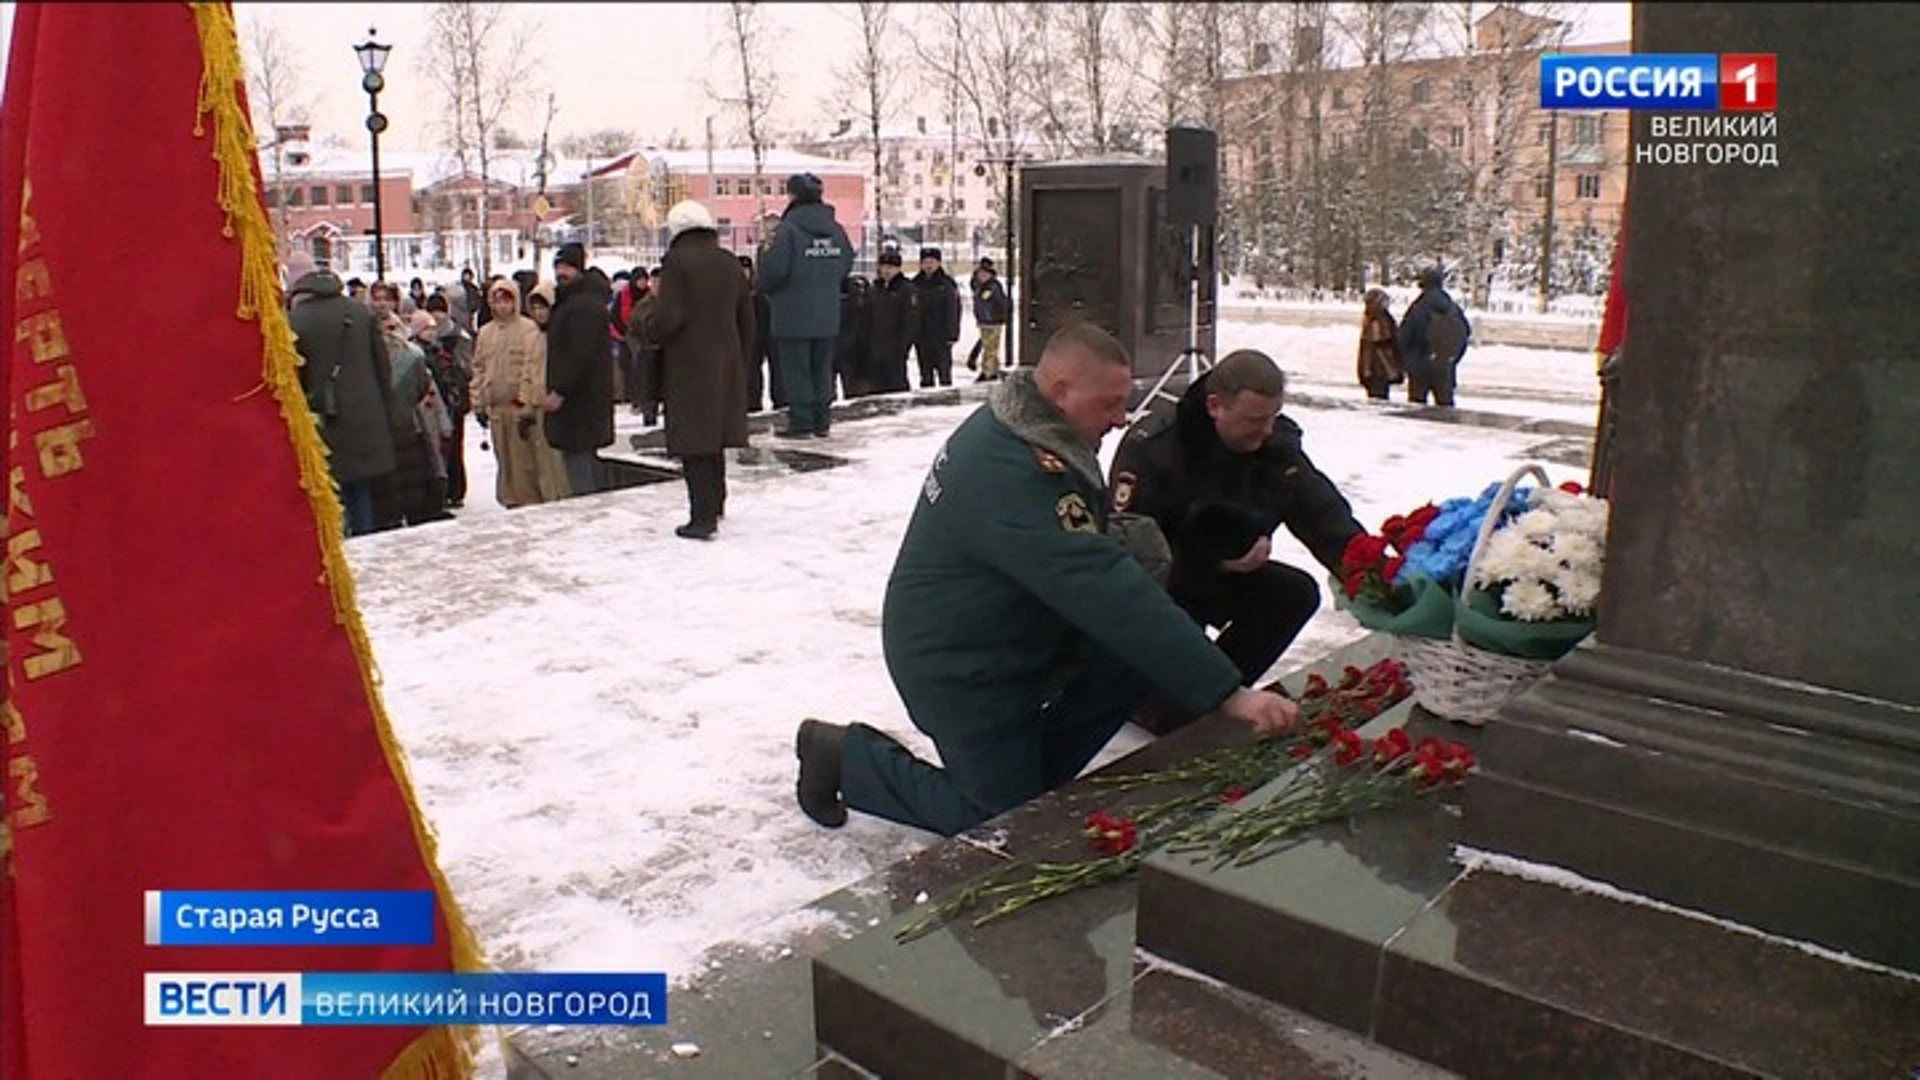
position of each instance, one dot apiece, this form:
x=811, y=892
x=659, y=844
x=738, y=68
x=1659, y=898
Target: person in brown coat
x=1380, y=365
x=702, y=321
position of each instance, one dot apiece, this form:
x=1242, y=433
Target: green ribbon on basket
x=1429, y=616
x=1482, y=626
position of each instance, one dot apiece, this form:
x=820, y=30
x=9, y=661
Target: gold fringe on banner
x=442, y=1052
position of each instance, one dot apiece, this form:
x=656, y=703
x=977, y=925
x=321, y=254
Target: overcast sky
x=636, y=66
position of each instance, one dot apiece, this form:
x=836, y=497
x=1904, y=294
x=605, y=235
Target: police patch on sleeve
x=1049, y=461
x=1123, y=491
x=1074, y=515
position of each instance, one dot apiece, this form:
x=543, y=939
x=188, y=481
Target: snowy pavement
x=599, y=715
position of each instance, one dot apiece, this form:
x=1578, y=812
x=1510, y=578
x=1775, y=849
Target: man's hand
x=553, y=401
x=1254, y=559
x=1267, y=714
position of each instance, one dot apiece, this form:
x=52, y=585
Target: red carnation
x=1300, y=751
x=1572, y=487
x=1459, y=760
x=1390, y=568
x=1110, y=835
x=1232, y=795
x=1351, y=748
x=1430, y=746
x=1316, y=687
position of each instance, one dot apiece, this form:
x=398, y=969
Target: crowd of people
x=540, y=365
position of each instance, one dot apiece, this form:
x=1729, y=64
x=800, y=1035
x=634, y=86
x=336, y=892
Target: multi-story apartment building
x=631, y=194
x=1474, y=118
x=932, y=186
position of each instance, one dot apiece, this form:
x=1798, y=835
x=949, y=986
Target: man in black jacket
x=1219, y=473
x=579, y=369
x=939, y=320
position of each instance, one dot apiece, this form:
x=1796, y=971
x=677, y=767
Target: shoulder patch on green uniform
x=1074, y=515
x=1049, y=461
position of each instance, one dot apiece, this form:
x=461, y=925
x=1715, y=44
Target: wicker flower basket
x=1457, y=681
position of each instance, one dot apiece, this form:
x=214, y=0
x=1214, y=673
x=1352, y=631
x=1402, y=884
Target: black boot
x=697, y=530
x=818, y=746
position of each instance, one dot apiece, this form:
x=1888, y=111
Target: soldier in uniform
x=1219, y=472
x=1019, y=631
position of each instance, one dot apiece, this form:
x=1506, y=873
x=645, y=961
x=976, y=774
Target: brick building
x=626, y=201
x=1479, y=115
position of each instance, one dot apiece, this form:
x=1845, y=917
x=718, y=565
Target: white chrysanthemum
x=1577, y=550
x=1528, y=600
x=1502, y=558
x=1579, y=592
x=1536, y=523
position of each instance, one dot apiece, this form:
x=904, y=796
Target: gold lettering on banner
x=60, y=448
x=29, y=229
x=31, y=281
x=29, y=806
x=16, y=724
x=63, y=390
x=46, y=337
x=46, y=623
x=17, y=500
x=24, y=572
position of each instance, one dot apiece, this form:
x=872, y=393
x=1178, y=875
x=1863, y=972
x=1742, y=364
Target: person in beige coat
x=509, y=385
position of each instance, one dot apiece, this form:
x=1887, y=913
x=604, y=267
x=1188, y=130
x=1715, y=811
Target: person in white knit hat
x=701, y=319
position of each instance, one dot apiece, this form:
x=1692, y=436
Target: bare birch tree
x=750, y=93
x=865, y=90
x=1102, y=85
x=1492, y=93
x=1052, y=101
x=274, y=89
x=986, y=51
x=1382, y=36
x=481, y=58
x=543, y=171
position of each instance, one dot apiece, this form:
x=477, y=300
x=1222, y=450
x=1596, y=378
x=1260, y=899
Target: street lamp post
x=373, y=60
x=1007, y=162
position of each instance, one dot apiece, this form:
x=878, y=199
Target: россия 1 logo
x=1663, y=82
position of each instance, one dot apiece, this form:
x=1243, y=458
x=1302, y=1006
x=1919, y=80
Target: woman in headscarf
x=509, y=384
x=1380, y=363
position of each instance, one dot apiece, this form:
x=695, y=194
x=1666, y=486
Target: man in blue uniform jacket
x=1019, y=630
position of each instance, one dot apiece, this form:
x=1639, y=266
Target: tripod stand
x=1193, y=360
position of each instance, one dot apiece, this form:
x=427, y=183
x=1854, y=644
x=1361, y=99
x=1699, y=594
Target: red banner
x=190, y=700
x=1613, y=317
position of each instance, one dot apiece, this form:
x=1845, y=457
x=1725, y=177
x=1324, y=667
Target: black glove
x=481, y=419
x=1214, y=533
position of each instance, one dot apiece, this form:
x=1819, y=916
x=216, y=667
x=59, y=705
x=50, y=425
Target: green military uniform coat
x=1017, y=629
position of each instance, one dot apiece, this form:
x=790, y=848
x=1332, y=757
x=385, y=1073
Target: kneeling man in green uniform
x=1019, y=631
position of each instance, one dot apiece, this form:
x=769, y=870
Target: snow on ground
x=599, y=715
x=1542, y=383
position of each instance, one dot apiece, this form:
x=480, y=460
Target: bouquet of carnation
x=1538, y=580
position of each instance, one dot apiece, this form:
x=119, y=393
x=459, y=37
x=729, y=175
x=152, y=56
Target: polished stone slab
x=1306, y=926
x=1169, y=1026
x=1504, y=977
x=976, y=998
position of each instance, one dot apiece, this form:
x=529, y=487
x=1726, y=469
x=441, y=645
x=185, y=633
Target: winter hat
x=930, y=253
x=985, y=263
x=890, y=257
x=688, y=216
x=1432, y=278
x=574, y=255
x=542, y=292
x=502, y=285
x=805, y=187
x=299, y=265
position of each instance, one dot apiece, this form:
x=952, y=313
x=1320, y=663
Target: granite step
x=1058, y=990
x=1373, y=927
